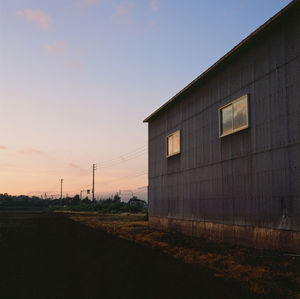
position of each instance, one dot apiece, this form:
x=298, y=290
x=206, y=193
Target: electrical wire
x=123, y=158
x=125, y=154
x=127, y=177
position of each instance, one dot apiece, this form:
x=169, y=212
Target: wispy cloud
x=122, y=13
x=57, y=48
x=74, y=64
x=154, y=4
x=37, y=17
x=31, y=151
x=88, y=2
x=2, y=147
x=61, y=48
x=79, y=169
x=124, y=8
x=73, y=165
x=154, y=25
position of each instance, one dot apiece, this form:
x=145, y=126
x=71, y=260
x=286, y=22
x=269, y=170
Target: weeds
x=263, y=272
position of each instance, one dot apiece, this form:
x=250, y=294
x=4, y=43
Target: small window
x=173, y=144
x=234, y=116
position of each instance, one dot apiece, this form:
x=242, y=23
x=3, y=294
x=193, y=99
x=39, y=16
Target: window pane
x=176, y=142
x=240, y=113
x=170, y=145
x=227, y=120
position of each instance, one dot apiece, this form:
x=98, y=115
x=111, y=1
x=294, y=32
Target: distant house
x=224, y=153
x=134, y=201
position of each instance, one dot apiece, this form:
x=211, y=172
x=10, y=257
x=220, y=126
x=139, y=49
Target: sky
x=78, y=77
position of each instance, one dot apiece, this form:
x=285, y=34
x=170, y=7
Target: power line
x=141, y=190
x=123, y=160
x=127, y=177
x=122, y=157
x=143, y=187
x=138, y=152
x=125, y=154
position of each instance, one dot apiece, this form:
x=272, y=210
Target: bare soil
x=49, y=255
x=264, y=272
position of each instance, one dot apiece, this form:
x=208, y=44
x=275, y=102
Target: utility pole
x=93, y=188
x=61, y=183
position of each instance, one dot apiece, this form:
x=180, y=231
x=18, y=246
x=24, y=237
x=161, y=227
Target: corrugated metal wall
x=251, y=177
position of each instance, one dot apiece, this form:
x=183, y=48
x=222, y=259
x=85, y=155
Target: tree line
x=108, y=205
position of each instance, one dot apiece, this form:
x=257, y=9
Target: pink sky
x=78, y=77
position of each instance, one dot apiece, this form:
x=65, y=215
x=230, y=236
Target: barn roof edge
x=222, y=59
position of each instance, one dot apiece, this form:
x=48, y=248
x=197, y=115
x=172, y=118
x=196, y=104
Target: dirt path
x=50, y=256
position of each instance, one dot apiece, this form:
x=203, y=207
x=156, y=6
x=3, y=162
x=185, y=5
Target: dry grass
x=263, y=272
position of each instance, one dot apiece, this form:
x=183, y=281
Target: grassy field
x=87, y=255
x=263, y=272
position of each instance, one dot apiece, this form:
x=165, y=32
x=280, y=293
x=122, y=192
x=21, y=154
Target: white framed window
x=173, y=144
x=233, y=117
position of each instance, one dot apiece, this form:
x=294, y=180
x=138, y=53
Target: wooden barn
x=224, y=153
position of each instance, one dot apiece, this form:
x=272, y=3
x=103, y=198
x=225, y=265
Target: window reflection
x=170, y=145
x=227, y=119
x=234, y=116
x=173, y=143
x=176, y=142
x=240, y=118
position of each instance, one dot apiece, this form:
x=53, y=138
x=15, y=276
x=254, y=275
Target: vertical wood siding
x=251, y=177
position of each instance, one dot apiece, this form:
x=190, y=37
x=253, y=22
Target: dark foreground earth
x=44, y=255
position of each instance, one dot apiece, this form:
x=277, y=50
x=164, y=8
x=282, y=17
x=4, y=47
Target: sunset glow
x=79, y=76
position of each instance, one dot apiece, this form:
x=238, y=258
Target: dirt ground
x=269, y=273
x=50, y=255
